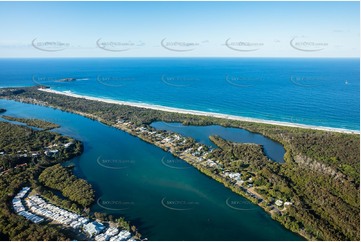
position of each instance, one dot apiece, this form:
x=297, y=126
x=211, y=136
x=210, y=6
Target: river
x=164, y=202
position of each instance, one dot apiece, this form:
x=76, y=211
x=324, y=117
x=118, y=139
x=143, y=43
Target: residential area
x=37, y=210
x=24, y=156
x=197, y=153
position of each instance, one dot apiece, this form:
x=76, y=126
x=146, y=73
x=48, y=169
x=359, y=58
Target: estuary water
x=272, y=149
x=131, y=180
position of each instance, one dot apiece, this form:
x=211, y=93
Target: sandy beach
x=210, y=114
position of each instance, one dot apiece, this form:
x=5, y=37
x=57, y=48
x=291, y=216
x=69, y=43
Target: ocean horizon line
x=201, y=113
x=183, y=57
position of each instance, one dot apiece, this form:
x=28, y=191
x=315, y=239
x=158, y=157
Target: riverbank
x=69, y=215
x=273, y=180
x=201, y=113
x=187, y=185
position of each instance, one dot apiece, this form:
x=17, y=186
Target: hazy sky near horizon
x=179, y=29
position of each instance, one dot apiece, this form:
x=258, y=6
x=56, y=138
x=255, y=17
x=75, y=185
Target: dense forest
x=14, y=138
x=76, y=189
x=41, y=124
x=316, y=195
x=320, y=176
x=23, y=145
x=12, y=226
x=237, y=157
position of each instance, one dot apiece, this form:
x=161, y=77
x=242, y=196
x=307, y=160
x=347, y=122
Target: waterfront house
x=51, y=152
x=235, y=176
x=93, y=228
x=112, y=231
x=122, y=236
x=67, y=145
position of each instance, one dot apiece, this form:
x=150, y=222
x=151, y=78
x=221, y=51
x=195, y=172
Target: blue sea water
x=321, y=92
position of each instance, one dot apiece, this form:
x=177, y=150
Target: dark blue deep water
x=322, y=92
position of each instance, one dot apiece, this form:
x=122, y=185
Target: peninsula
x=42, y=200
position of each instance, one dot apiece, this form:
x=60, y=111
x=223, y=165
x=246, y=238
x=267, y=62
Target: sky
x=179, y=29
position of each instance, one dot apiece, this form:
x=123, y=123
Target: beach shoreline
x=201, y=113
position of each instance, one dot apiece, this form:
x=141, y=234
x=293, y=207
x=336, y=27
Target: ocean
x=318, y=91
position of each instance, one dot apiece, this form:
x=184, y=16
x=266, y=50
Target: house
x=51, y=152
x=235, y=176
x=112, y=231
x=101, y=237
x=93, y=228
x=33, y=218
x=279, y=203
x=75, y=224
x=83, y=220
x=23, y=192
x=67, y=145
x=120, y=121
x=124, y=235
x=211, y=163
x=166, y=140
